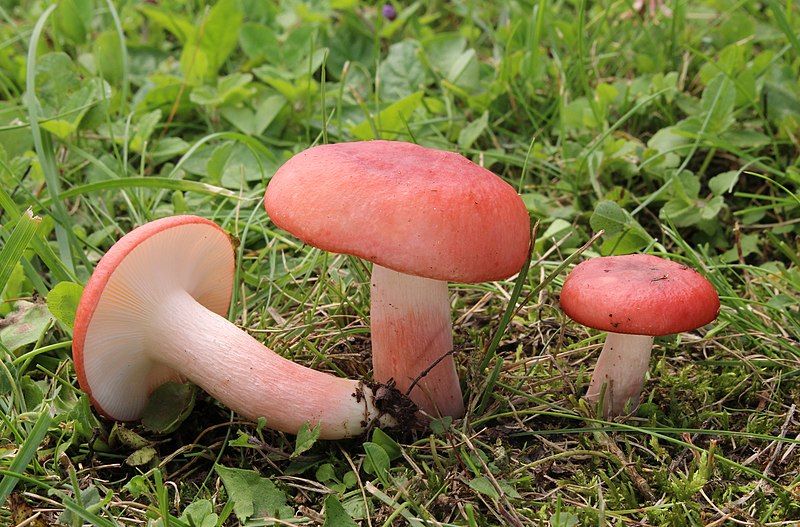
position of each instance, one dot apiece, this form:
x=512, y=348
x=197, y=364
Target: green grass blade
x=44, y=146
x=25, y=453
x=18, y=241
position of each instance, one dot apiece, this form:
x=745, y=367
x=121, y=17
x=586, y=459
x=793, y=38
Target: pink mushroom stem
x=411, y=331
x=250, y=378
x=621, y=367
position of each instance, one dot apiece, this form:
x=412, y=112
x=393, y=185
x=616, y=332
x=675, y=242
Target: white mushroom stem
x=250, y=378
x=621, y=368
x=412, y=338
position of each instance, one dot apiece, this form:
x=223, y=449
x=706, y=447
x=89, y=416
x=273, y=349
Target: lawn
x=672, y=131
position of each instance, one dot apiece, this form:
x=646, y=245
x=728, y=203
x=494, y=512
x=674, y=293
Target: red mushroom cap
x=110, y=346
x=416, y=210
x=638, y=294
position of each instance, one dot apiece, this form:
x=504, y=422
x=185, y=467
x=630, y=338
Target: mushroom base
x=621, y=368
x=412, y=340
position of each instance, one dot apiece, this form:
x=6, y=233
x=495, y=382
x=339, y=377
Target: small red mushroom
x=423, y=217
x=153, y=311
x=634, y=298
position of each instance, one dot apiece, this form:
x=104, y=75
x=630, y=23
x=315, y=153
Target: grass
x=673, y=134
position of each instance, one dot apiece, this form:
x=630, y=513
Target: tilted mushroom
x=423, y=217
x=153, y=311
x=634, y=298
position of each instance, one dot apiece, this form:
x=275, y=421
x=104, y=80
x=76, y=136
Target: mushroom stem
x=411, y=331
x=621, y=367
x=253, y=380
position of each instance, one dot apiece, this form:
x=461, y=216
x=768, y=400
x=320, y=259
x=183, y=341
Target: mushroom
x=634, y=298
x=423, y=217
x=153, y=311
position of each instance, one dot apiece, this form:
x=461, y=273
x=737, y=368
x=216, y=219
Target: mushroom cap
x=415, y=210
x=638, y=294
x=113, y=349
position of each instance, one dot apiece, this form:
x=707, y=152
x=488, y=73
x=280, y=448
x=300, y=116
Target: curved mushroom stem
x=621, y=367
x=253, y=380
x=412, y=339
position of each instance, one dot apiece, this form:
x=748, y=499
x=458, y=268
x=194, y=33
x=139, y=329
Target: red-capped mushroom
x=634, y=298
x=153, y=311
x=423, y=217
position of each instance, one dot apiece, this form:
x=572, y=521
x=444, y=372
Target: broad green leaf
x=72, y=19
x=168, y=406
x=563, y=519
x=306, y=437
x=179, y=26
x=724, y=182
x=464, y=72
x=717, y=101
x=254, y=122
x=62, y=301
x=25, y=325
x=251, y=494
x=484, y=486
x=65, y=98
x=325, y=473
x=143, y=456
x=126, y=437
x=335, y=515
x=230, y=89
x=208, y=47
x=377, y=461
x=470, y=133
x=107, y=56
x=382, y=439
x=200, y=513
x=401, y=73
x=391, y=120
x=610, y=217
x=259, y=41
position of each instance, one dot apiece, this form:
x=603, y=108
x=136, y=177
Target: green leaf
x=62, y=301
x=200, y=513
x=258, y=41
x=471, y=132
x=25, y=453
x=72, y=19
x=179, y=26
x=724, y=183
x=107, y=56
x=306, y=437
x=208, y=47
x=230, y=89
x=484, y=486
x=25, y=325
x=377, y=461
x=143, y=456
x=401, y=73
x=563, y=519
x=717, y=101
x=168, y=406
x=391, y=121
x=335, y=515
x=251, y=494
x=610, y=217
x=393, y=450
x=126, y=437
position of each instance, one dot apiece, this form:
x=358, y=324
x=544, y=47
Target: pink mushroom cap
x=415, y=210
x=638, y=294
x=110, y=335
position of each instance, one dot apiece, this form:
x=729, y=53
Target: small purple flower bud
x=389, y=12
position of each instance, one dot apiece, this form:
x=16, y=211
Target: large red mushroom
x=423, y=217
